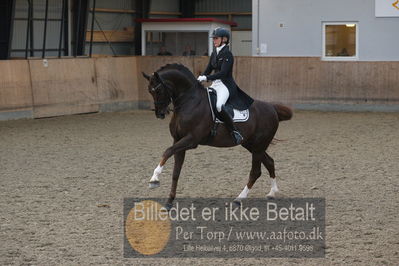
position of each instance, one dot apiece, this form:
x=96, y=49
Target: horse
x=192, y=122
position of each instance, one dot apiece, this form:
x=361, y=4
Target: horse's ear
x=161, y=80
x=146, y=76
x=158, y=77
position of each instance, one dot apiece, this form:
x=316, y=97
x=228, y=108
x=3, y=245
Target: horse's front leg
x=183, y=144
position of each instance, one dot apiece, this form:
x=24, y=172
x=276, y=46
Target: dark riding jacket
x=222, y=64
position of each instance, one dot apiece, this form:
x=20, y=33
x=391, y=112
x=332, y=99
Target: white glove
x=202, y=78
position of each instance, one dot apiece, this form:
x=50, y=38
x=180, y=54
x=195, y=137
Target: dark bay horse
x=192, y=123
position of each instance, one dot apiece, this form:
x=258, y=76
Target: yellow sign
x=387, y=8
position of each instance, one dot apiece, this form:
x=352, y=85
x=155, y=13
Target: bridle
x=168, y=98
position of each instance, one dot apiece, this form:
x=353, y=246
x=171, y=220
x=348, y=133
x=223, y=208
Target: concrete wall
x=35, y=88
x=301, y=34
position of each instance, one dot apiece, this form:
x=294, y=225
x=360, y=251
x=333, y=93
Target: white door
x=241, y=43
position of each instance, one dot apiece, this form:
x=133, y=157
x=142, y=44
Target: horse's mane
x=184, y=70
x=178, y=67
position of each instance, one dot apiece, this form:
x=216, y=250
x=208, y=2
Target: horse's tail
x=283, y=112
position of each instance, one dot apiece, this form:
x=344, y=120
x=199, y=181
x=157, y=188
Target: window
x=28, y=29
x=176, y=43
x=340, y=41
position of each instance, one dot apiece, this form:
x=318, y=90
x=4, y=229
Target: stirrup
x=237, y=137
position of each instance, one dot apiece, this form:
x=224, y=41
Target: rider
x=221, y=61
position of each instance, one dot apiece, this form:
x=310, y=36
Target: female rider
x=221, y=62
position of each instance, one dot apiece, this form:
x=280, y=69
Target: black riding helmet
x=221, y=32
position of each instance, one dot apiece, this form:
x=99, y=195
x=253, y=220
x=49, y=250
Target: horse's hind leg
x=268, y=162
x=253, y=176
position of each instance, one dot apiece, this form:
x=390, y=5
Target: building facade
x=360, y=30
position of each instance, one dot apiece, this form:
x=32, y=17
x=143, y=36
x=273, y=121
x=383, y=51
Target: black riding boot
x=228, y=121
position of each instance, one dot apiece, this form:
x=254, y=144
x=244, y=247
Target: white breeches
x=222, y=93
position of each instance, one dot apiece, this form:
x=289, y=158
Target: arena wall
x=36, y=88
x=309, y=83
x=117, y=81
x=63, y=86
x=15, y=90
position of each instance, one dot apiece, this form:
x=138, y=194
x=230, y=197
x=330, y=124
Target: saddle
x=237, y=115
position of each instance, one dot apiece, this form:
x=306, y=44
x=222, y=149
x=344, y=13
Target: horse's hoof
x=268, y=196
x=271, y=195
x=237, y=202
x=154, y=184
x=168, y=206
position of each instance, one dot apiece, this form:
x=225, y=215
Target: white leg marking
x=273, y=190
x=157, y=172
x=243, y=194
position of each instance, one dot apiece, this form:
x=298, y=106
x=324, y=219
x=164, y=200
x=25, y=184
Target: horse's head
x=161, y=94
x=170, y=83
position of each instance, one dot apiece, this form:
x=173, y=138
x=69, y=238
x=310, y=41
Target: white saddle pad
x=239, y=116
